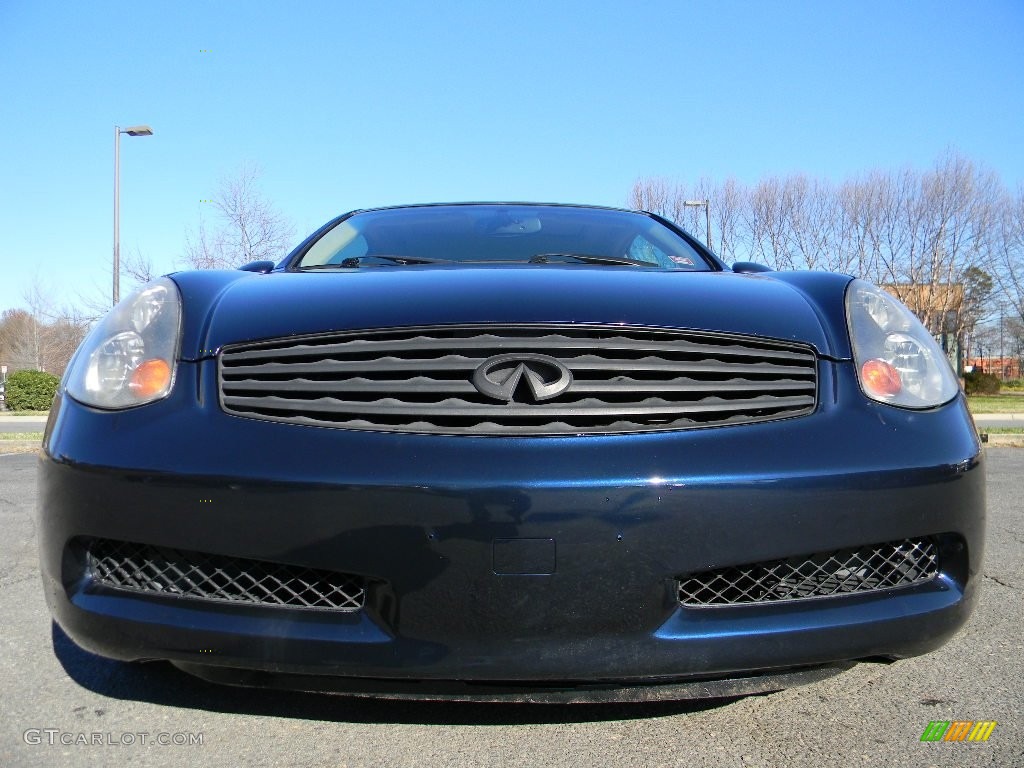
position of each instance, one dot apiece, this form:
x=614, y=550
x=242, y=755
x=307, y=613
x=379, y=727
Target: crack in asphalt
x=1000, y=582
x=1012, y=533
x=24, y=557
x=5, y=583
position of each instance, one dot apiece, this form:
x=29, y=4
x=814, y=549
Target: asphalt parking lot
x=54, y=697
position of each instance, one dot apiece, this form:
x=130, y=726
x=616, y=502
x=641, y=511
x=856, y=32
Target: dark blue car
x=510, y=452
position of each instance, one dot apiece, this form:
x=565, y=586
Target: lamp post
x=706, y=205
x=135, y=130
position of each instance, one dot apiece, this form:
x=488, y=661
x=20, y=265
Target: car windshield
x=535, y=234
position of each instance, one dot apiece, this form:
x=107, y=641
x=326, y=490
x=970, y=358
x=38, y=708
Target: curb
x=1002, y=441
x=19, y=446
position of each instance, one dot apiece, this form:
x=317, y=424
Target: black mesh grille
x=614, y=379
x=163, y=571
x=841, y=572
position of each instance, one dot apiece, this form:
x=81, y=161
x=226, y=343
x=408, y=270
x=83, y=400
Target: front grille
x=826, y=574
x=178, y=573
x=605, y=380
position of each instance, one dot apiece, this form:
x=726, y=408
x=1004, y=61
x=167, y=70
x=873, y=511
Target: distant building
x=1005, y=368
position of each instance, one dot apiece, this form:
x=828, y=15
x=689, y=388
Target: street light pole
x=706, y=205
x=135, y=130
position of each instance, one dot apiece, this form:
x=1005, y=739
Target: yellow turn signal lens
x=151, y=378
x=880, y=378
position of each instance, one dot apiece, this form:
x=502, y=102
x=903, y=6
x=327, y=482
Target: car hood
x=229, y=307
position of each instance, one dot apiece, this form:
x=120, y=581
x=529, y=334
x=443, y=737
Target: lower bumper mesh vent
x=163, y=571
x=825, y=574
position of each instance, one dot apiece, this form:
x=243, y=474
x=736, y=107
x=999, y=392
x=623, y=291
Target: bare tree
x=727, y=201
x=20, y=341
x=860, y=205
x=663, y=197
x=813, y=222
x=1007, y=249
x=60, y=340
x=937, y=238
x=765, y=219
x=247, y=228
x=41, y=337
x=138, y=267
x=667, y=199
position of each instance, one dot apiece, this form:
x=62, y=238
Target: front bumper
x=419, y=517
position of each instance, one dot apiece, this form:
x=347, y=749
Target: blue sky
x=348, y=105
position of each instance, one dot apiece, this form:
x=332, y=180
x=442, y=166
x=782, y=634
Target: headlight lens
x=898, y=362
x=128, y=359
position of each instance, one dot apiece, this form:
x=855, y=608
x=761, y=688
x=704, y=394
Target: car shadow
x=161, y=683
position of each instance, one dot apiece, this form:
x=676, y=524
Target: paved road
x=999, y=420
x=871, y=716
x=21, y=424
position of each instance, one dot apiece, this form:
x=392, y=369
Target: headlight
x=898, y=362
x=128, y=359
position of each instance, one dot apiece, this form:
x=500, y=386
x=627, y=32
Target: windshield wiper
x=586, y=258
x=354, y=262
x=361, y=261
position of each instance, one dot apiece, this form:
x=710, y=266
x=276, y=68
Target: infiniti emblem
x=500, y=377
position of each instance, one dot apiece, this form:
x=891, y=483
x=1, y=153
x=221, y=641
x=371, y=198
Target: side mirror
x=750, y=266
x=262, y=267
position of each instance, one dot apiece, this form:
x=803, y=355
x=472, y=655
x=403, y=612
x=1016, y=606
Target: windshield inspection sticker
x=686, y=262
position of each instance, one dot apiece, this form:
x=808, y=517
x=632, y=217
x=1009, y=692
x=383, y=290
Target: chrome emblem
x=502, y=376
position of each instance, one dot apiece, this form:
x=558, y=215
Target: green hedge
x=31, y=390
x=978, y=383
